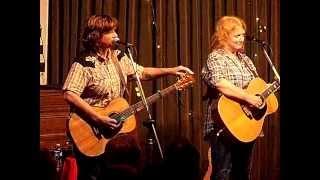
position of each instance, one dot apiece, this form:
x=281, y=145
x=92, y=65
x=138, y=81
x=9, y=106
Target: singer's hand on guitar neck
x=180, y=71
x=151, y=72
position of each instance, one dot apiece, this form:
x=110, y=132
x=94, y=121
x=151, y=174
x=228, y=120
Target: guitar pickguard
x=259, y=113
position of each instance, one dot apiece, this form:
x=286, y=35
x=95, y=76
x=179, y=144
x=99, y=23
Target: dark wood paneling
x=54, y=113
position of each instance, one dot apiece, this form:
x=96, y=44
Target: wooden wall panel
x=54, y=113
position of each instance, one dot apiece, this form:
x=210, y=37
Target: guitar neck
x=140, y=105
x=271, y=89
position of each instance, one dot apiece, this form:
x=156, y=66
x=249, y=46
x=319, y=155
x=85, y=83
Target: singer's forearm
x=151, y=73
x=78, y=102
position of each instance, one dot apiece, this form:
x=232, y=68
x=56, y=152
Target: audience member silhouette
x=122, y=158
x=47, y=166
x=182, y=159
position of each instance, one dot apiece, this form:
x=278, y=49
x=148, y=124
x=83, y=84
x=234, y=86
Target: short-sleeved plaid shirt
x=97, y=82
x=221, y=65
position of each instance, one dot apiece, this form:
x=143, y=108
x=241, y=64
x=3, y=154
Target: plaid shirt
x=221, y=65
x=97, y=82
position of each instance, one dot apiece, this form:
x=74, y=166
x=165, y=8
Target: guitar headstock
x=185, y=81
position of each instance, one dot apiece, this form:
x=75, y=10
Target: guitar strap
x=247, y=65
x=121, y=76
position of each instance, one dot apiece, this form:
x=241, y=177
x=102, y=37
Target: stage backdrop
x=182, y=35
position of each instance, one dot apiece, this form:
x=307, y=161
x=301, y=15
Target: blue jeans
x=230, y=160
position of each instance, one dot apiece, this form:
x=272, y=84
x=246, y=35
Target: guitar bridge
x=247, y=111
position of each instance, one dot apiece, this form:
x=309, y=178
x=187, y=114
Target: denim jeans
x=230, y=160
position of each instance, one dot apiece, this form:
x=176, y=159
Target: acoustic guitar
x=245, y=122
x=91, y=139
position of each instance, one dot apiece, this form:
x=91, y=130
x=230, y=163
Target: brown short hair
x=95, y=27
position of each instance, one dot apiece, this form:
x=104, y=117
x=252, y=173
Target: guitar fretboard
x=140, y=105
x=274, y=86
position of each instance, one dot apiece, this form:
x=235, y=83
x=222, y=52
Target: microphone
x=252, y=38
x=117, y=43
x=262, y=43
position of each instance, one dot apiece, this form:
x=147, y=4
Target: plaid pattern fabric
x=99, y=84
x=221, y=65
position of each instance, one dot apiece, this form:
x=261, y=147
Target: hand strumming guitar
x=255, y=101
x=108, y=122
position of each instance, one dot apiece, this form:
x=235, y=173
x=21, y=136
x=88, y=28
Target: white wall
x=44, y=8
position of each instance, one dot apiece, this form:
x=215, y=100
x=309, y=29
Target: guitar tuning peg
x=138, y=94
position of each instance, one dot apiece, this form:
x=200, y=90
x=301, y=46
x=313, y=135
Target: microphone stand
x=150, y=122
x=263, y=46
x=270, y=62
